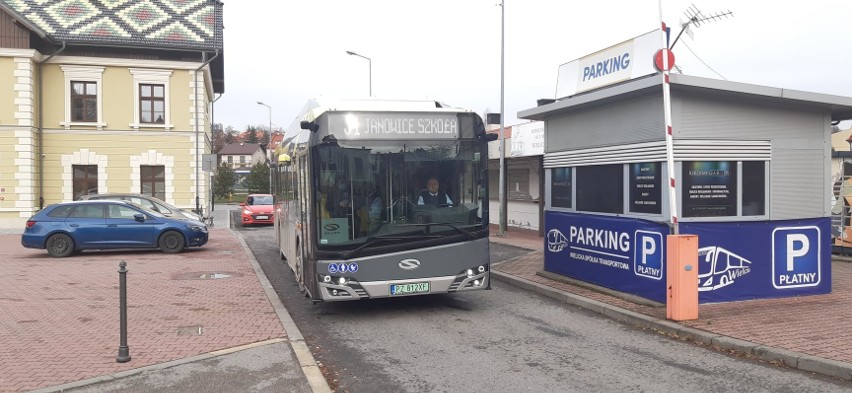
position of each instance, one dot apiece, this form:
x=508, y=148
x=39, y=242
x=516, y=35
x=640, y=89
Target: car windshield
x=146, y=209
x=372, y=191
x=259, y=200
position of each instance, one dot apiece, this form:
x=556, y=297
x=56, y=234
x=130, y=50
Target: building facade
x=100, y=97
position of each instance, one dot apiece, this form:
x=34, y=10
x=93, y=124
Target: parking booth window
x=561, y=188
x=645, y=187
x=600, y=188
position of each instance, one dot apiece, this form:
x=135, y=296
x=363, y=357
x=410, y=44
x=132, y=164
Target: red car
x=257, y=209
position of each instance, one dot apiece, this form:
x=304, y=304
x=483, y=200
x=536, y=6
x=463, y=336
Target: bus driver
x=433, y=196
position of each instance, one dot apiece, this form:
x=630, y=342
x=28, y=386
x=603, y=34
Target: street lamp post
x=502, y=174
x=268, y=145
x=369, y=68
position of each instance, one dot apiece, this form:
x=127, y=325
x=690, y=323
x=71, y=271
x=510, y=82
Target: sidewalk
x=59, y=318
x=810, y=333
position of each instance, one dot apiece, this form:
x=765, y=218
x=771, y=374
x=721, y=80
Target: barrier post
x=123, y=349
x=682, y=277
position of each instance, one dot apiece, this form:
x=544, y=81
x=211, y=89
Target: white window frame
x=83, y=74
x=142, y=76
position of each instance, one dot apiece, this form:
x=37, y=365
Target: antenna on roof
x=696, y=17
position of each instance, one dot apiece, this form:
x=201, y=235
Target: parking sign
x=796, y=257
x=648, y=254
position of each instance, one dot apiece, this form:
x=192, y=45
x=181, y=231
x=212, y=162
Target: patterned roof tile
x=68, y=13
x=181, y=24
x=143, y=16
x=103, y=27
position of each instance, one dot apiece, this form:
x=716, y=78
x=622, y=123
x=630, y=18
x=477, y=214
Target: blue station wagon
x=65, y=228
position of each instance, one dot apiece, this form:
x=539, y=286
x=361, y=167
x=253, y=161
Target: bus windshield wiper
x=429, y=225
x=373, y=240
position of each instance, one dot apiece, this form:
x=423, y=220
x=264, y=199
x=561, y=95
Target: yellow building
x=106, y=96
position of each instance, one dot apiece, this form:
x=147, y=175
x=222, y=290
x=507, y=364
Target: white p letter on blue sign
x=648, y=254
x=796, y=257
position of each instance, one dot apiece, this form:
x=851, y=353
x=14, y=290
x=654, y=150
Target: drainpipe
x=213, y=121
x=40, y=152
x=197, y=139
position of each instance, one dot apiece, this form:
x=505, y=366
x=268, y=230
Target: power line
x=702, y=61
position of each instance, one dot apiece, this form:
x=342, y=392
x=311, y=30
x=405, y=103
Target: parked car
x=147, y=201
x=65, y=228
x=257, y=209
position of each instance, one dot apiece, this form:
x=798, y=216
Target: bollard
x=682, y=277
x=123, y=350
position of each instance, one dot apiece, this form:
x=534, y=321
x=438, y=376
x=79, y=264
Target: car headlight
x=197, y=228
x=246, y=211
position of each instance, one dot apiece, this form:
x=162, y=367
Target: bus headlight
x=481, y=269
x=470, y=272
x=326, y=278
x=341, y=281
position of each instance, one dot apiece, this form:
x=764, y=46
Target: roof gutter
x=197, y=139
x=40, y=140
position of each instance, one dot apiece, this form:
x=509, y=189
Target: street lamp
x=268, y=145
x=370, y=68
x=502, y=173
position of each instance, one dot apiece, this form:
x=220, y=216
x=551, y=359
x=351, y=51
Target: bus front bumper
x=354, y=290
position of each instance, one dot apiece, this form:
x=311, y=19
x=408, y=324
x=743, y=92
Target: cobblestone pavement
x=59, y=317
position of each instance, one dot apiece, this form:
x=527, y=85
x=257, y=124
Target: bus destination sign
x=394, y=126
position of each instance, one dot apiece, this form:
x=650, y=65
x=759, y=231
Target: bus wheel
x=300, y=273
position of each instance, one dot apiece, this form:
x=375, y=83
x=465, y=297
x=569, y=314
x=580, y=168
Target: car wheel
x=171, y=242
x=60, y=245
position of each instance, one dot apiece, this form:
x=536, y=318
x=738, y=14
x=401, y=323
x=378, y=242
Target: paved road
x=505, y=339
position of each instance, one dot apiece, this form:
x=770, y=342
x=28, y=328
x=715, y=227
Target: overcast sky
x=286, y=52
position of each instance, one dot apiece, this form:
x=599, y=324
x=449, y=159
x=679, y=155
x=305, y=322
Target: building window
x=153, y=179
x=709, y=188
x=600, y=188
x=754, y=188
x=230, y=159
x=84, y=96
x=85, y=180
x=645, y=187
x=152, y=104
x=242, y=159
x=151, y=98
x=561, y=188
x=84, y=101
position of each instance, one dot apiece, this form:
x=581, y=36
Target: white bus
x=383, y=199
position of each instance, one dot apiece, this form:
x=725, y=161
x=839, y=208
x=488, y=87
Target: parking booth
x=752, y=178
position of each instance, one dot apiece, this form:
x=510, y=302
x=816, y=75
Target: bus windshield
x=398, y=191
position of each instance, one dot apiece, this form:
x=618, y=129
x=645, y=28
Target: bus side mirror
x=488, y=137
x=309, y=125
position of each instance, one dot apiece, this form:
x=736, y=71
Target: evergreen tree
x=224, y=182
x=257, y=180
x=251, y=135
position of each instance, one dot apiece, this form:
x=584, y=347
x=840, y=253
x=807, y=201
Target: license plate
x=262, y=217
x=409, y=289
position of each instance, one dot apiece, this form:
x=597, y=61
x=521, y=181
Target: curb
x=796, y=360
x=154, y=367
x=306, y=359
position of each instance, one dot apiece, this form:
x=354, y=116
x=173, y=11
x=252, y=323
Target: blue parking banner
x=736, y=260
x=762, y=259
x=625, y=254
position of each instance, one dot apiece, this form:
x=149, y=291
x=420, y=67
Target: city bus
x=349, y=182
